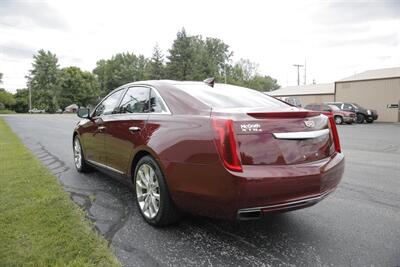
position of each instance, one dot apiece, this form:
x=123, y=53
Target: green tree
x=156, y=68
x=242, y=72
x=219, y=56
x=6, y=99
x=43, y=80
x=187, y=58
x=245, y=73
x=192, y=58
x=120, y=69
x=77, y=87
x=21, y=101
x=182, y=58
x=263, y=83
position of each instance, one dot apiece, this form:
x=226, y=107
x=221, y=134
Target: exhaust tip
x=249, y=215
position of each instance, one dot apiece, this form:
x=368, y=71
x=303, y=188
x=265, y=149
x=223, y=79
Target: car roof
x=176, y=99
x=158, y=84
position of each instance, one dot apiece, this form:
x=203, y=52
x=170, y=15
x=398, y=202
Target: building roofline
x=302, y=94
x=370, y=79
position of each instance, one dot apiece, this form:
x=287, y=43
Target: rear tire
x=338, y=120
x=152, y=195
x=79, y=158
x=360, y=118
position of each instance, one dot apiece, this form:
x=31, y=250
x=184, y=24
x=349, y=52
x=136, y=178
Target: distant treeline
x=189, y=58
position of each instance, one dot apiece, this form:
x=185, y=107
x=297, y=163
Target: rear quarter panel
x=181, y=138
x=185, y=148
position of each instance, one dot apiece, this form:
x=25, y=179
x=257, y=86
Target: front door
x=126, y=130
x=95, y=129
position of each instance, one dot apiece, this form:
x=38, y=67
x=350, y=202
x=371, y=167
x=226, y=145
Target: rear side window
x=156, y=103
x=229, y=96
x=136, y=100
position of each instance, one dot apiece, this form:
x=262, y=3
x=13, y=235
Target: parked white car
x=35, y=110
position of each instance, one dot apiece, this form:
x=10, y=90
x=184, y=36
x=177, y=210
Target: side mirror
x=83, y=113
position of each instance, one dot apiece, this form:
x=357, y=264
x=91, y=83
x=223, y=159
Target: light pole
x=225, y=72
x=30, y=98
x=298, y=72
x=224, y=64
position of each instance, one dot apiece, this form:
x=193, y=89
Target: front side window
x=109, y=104
x=136, y=100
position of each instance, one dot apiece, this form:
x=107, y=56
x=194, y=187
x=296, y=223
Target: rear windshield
x=229, y=96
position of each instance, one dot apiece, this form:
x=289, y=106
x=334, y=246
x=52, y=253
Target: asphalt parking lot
x=357, y=225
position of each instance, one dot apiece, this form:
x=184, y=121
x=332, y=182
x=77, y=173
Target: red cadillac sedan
x=215, y=150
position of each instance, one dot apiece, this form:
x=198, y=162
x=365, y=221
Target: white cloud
x=337, y=38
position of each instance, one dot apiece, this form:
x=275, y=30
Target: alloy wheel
x=77, y=153
x=148, y=191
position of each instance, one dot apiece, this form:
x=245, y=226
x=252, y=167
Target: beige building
x=374, y=89
x=307, y=94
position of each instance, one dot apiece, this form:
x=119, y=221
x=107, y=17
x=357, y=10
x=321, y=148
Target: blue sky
x=337, y=38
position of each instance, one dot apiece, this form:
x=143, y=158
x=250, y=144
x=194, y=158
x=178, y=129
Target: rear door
x=126, y=129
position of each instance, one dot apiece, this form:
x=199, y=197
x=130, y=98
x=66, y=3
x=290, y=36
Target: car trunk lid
x=281, y=138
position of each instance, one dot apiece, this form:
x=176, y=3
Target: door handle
x=101, y=128
x=134, y=129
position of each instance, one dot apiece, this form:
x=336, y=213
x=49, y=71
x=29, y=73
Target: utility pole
x=30, y=98
x=305, y=71
x=224, y=64
x=298, y=72
x=225, y=72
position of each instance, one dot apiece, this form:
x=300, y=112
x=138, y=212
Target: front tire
x=79, y=159
x=152, y=194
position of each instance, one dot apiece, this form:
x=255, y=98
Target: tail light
x=334, y=134
x=226, y=143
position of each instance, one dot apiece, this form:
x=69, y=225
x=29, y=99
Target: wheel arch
x=76, y=133
x=73, y=136
x=140, y=153
x=337, y=115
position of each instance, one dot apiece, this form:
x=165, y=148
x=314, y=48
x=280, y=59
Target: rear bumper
x=213, y=191
x=256, y=212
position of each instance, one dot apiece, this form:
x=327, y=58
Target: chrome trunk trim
x=301, y=135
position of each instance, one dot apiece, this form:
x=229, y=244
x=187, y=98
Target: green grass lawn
x=39, y=224
x=6, y=111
